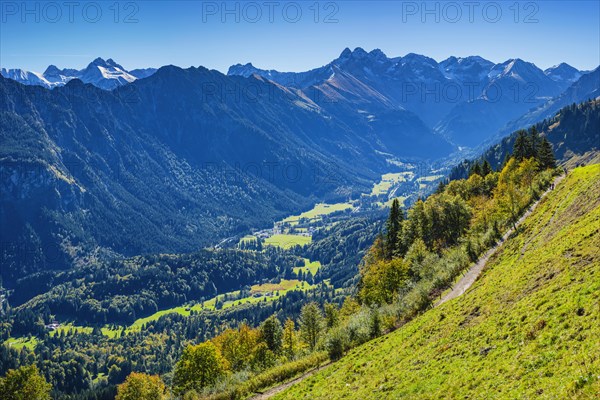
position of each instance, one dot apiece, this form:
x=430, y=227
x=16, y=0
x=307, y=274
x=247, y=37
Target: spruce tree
x=521, y=147
x=475, y=169
x=533, y=143
x=546, y=155
x=394, y=225
x=486, y=168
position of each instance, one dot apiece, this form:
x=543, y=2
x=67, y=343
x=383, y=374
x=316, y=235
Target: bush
x=358, y=327
x=337, y=343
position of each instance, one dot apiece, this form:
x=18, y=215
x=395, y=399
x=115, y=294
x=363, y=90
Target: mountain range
x=105, y=74
x=183, y=158
x=467, y=100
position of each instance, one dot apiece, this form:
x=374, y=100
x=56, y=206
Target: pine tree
x=394, y=225
x=521, y=147
x=475, y=169
x=546, y=155
x=486, y=168
x=533, y=143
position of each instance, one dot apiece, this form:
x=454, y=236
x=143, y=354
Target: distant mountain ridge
x=467, y=100
x=464, y=99
x=105, y=74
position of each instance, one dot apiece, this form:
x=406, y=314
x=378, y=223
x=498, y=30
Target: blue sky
x=293, y=36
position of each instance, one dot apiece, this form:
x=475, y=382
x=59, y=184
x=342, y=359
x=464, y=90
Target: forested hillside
x=528, y=328
x=573, y=132
x=174, y=163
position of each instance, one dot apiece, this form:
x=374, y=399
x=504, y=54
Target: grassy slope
x=528, y=328
x=317, y=211
x=312, y=267
x=286, y=241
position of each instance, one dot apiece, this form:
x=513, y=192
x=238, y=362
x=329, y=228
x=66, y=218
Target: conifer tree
x=486, y=168
x=520, y=149
x=533, y=143
x=546, y=155
x=394, y=225
x=475, y=169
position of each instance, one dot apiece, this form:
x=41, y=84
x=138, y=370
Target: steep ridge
x=528, y=328
x=473, y=273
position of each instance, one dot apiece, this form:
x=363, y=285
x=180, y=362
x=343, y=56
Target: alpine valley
x=184, y=233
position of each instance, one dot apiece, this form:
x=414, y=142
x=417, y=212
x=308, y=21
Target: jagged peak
x=99, y=61
x=113, y=63
x=346, y=53
x=52, y=70
x=359, y=52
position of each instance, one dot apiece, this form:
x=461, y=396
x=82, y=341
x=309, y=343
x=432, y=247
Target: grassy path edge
x=473, y=273
x=280, y=388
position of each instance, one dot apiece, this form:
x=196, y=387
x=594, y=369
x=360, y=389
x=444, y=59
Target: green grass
x=429, y=178
x=184, y=310
x=66, y=328
x=387, y=181
x=268, y=292
x=529, y=328
x=313, y=267
x=248, y=239
x=318, y=211
x=388, y=203
x=21, y=342
x=286, y=241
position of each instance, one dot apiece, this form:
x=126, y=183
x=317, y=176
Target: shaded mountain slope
x=173, y=162
x=574, y=133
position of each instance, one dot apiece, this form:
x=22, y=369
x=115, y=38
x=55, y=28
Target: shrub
x=337, y=343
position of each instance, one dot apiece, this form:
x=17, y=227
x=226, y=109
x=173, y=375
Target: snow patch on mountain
x=105, y=74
